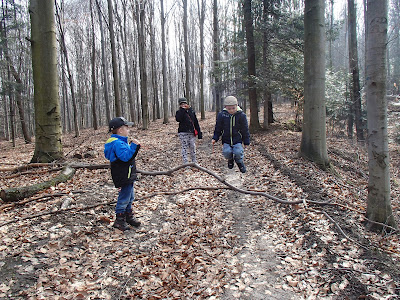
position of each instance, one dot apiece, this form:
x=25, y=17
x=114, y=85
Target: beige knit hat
x=230, y=100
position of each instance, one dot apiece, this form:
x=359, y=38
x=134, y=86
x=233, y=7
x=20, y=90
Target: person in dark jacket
x=188, y=129
x=233, y=127
x=121, y=155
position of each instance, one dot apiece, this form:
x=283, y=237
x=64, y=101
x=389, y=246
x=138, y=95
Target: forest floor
x=201, y=243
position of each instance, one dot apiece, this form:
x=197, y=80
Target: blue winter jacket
x=122, y=158
x=233, y=128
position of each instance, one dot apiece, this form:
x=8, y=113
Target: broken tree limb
x=222, y=180
x=15, y=194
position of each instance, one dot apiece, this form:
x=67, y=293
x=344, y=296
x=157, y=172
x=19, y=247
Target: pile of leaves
x=198, y=239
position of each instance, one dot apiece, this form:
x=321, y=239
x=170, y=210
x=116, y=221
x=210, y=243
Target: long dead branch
x=15, y=194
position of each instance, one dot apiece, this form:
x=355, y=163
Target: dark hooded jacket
x=234, y=128
x=188, y=121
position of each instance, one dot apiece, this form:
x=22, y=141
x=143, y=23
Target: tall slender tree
x=94, y=109
x=379, y=207
x=202, y=16
x=186, y=50
x=313, y=140
x=48, y=146
x=354, y=70
x=216, y=58
x=251, y=66
x=140, y=16
x=114, y=58
x=164, y=65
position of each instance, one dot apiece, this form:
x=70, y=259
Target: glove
x=200, y=135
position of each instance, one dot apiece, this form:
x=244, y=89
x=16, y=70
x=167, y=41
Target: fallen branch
x=15, y=194
x=338, y=227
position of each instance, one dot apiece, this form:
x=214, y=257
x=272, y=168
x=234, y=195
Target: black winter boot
x=120, y=222
x=242, y=167
x=131, y=220
x=230, y=163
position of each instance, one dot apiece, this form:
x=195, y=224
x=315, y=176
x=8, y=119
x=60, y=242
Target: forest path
x=258, y=267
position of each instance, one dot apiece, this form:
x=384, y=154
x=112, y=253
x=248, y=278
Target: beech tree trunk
x=202, y=15
x=313, y=140
x=216, y=58
x=94, y=109
x=186, y=47
x=354, y=70
x=140, y=14
x=48, y=129
x=251, y=67
x=379, y=207
x=164, y=65
x=117, y=100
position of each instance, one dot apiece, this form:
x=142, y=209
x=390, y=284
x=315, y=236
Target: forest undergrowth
x=205, y=243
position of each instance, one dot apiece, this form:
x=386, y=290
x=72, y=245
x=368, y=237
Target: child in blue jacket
x=233, y=127
x=123, y=170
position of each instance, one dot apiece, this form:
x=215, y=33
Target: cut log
x=18, y=193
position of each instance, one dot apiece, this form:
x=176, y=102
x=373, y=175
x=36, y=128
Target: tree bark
x=117, y=100
x=94, y=109
x=202, y=16
x=15, y=194
x=186, y=50
x=313, y=141
x=251, y=67
x=48, y=146
x=142, y=65
x=354, y=69
x=216, y=59
x=164, y=66
x=378, y=204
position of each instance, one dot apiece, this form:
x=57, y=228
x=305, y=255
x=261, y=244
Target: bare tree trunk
x=48, y=145
x=379, y=207
x=117, y=100
x=313, y=141
x=202, y=16
x=251, y=67
x=142, y=65
x=354, y=70
x=70, y=77
x=156, y=105
x=186, y=47
x=331, y=36
x=104, y=65
x=12, y=109
x=216, y=58
x=266, y=62
x=164, y=65
x=94, y=110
